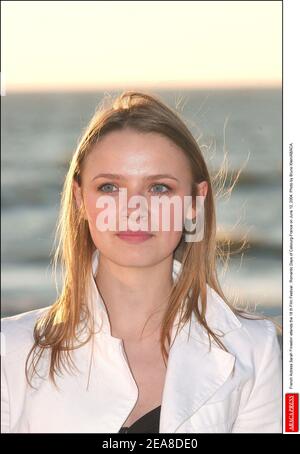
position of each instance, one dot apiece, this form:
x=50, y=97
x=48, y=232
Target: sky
x=64, y=45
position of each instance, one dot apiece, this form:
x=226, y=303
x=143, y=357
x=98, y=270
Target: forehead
x=132, y=153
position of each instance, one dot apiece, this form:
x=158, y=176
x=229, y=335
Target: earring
x=189, y=223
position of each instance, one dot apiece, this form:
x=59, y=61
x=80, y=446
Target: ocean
x=40, y=132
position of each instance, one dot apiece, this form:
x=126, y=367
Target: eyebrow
x=122, y=177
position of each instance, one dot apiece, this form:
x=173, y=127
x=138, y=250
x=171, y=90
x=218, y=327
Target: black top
x=148, y=423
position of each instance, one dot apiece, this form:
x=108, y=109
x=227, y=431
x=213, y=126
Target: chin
x=126, y=257
x=134, y=259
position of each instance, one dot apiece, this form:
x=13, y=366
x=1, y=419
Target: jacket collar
x=194, y=372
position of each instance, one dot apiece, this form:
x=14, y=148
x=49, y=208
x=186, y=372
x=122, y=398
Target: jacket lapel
x=194, y=371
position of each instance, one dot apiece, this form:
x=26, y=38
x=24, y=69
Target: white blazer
x=204, y=391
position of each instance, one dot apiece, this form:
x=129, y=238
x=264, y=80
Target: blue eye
x=106, y=185
x=166, y=191
x=108, y=188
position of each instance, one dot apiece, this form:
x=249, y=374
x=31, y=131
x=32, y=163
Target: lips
x=134, y=237
x=131, y=232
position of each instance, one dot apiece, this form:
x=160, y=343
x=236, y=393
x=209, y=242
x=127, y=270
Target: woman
x=141, y=338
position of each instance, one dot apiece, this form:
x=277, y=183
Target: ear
x=202, y=189
x=78, y=197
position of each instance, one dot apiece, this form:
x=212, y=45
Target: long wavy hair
x=56, y=331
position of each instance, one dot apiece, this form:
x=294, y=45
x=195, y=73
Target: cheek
x=99, y=213
x=168, y=218
x=91, y=208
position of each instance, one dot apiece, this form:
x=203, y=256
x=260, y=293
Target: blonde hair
x=56, y=330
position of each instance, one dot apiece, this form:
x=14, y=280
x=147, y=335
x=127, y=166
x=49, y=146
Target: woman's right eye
x=106, y=188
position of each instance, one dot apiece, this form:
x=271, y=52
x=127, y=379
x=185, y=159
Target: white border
x=291, y=127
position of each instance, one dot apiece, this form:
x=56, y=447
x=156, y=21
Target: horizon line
x=145, y=86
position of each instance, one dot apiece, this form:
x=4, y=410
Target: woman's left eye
x=165, y=188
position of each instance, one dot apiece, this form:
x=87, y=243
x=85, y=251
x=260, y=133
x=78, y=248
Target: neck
x=135, y=297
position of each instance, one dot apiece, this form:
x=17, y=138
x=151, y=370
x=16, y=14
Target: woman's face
x=146, y=165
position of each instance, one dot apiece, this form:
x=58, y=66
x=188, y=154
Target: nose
x=135, y=202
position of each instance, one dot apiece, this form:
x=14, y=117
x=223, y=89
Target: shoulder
x=17, y=339
x=247, y=332
x=259, y=338
x=17, y=330
x=257, y=329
